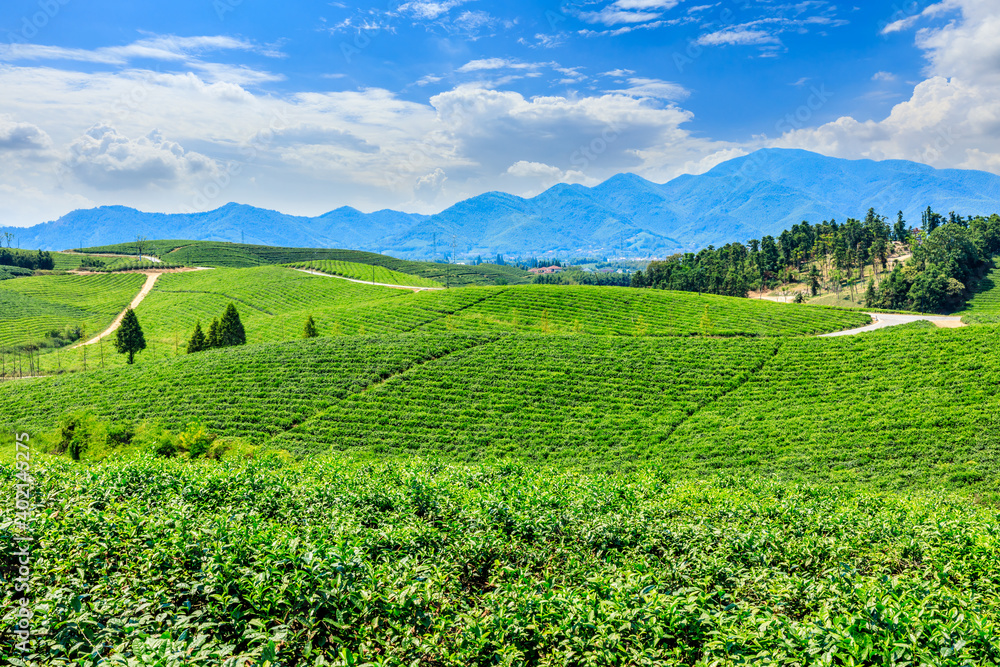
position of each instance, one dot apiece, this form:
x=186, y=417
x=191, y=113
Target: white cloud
x=26, y=137
x=538, y=176
x=165, y=48
x=737, y=37
x=614, y=16
x=104, y=159
x=654, y=88
x=486, y=64
x=883, y=76
x=907, y=22
x=427, y=9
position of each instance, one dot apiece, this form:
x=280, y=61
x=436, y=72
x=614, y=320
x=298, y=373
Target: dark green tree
x=871, y=294
x=310, y=329
x=231, y=330
x=929, y=293
x=899, y=231
x=198, y=342
x=129, y=338
x=814, y=276
x=213, y=339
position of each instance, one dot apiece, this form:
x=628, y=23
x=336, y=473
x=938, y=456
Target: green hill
x=274, y=302
x=619, y=311
x=915, y=407
x=984, y=306
x=366, y=272
x=32, y=307
x=237, y=255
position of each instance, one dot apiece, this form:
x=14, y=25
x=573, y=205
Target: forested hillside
x=944, y=259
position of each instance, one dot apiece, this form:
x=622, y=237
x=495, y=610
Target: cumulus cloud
x=23, y=137
x=952, y=119
x=104, y=159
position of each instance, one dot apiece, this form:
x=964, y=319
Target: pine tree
x=310, y=328
x=129, y=338
x=871, y=294
x=213, y=340
x=198, y=341
x=231, y=330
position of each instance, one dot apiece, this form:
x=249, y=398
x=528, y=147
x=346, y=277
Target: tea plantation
x=239, y=255
x=505, y=475
x=32, y=307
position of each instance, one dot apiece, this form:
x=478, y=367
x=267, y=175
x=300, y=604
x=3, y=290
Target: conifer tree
x=198, y=341
x=129, y=338
x=310, y=328
x=231, y=330
x=213, y=339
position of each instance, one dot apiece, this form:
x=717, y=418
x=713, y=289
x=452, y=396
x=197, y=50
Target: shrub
x=155, y=439
x=196, y=440
x=230, y=449
x=76, y=433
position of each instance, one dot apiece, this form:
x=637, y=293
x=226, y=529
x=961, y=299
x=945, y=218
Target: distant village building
x=543, y=270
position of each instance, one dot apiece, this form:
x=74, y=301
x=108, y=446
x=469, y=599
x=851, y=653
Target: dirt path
x=368, y=282
x=883, y=320
x=151, y=258
x=147, y=287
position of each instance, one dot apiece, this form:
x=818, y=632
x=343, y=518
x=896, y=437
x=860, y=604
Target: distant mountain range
x=748, y=197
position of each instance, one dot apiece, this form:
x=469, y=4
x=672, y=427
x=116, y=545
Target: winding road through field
x=883, y=320
x=147, y=287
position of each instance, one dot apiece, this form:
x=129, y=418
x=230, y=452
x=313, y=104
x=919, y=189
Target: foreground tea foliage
x=150, y=561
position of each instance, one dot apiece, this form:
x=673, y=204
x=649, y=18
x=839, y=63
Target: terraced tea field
x=905, y=409
x=273, y=302
x=618, y=311
x=895, y=408
x=984, y=306
x=254, y=392
x=366, y=272
x=31, y=307
x=237, y=255
x=575, y=400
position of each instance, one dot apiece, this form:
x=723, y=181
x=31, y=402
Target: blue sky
x=308, y=106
